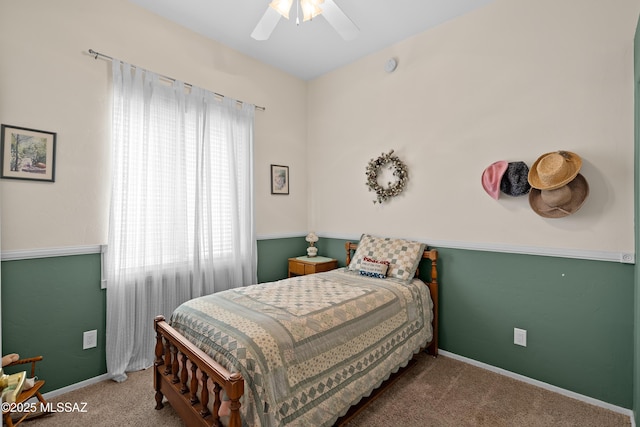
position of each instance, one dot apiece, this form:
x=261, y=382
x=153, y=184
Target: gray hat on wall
x=514, y=182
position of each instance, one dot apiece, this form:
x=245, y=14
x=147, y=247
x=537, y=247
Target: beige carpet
x=435, y=392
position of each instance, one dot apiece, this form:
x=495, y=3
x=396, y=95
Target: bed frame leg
x=159, y=397
x=234, y=393
x=432, y=348
x=157, y=364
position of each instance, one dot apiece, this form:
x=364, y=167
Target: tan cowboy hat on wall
x=561, y=201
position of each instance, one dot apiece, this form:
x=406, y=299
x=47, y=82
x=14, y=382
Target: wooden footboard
x=186, y=376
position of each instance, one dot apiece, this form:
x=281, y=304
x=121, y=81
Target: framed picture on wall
x=279, y=179
x=27, y=154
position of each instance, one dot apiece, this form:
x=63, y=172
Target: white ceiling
x=312, y=48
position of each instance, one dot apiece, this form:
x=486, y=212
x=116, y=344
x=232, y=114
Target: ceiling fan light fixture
x=310, y=8
x=330, y=11
x=282, y=7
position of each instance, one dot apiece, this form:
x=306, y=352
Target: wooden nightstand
x=304, y=265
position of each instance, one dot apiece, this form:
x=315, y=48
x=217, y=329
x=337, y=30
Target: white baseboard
x=546, y=386
x=76, y=386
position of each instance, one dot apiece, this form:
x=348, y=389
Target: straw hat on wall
x=553, y=170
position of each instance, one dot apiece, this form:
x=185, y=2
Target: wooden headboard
x=432, y=255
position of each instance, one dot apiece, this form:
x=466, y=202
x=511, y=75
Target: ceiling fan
x=310, y=9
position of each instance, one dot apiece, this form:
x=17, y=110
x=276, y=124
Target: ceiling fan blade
x=266, y=25
x=338, y=20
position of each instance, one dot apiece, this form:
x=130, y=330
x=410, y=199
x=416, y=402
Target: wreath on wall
x=393, y=188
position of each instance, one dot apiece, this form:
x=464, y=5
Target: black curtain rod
x=102, y=55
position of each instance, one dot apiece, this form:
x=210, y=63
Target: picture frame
x=27, y=154
x=279, y=179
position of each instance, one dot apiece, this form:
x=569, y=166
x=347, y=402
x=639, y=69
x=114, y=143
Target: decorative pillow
x=403, y=255
x=374, y=268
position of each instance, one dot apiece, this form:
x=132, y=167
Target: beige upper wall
x=48, y=82
x=510, y=81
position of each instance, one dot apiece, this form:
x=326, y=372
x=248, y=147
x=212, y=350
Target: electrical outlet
x=520, y=337
x=89, y=339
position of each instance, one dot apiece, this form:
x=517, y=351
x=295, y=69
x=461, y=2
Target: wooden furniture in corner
x=305, y=265
x=26, y=394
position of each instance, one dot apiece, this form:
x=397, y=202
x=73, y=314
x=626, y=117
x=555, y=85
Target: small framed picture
x=27, y=154
x=279, y=179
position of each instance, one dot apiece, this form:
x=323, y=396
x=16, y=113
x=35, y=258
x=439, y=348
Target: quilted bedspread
x=311, y=346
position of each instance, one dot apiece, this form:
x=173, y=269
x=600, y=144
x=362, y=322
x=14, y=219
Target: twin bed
x=299, y=351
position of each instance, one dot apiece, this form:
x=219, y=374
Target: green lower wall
x=578, y=314
x=636, y=366
x=273, y=255
x=47, y=304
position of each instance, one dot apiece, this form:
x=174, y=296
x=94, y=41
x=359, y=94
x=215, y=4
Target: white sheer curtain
x=181, y=220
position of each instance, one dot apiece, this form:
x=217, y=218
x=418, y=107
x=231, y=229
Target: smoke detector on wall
x=390, y=65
